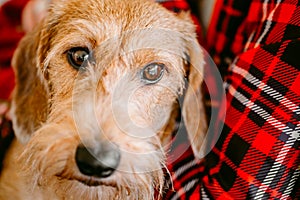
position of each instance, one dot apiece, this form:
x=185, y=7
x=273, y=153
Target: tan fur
x=55, y=108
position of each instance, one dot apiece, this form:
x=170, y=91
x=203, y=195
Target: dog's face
x=97, y=82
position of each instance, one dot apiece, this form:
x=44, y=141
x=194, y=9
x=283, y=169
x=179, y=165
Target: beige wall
x=205, y=10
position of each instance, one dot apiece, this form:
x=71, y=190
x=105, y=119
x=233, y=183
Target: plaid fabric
x=256, y=46
x=10, y=34
x=6, y=131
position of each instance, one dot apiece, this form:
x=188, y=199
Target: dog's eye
x=77, y=56
x=153, y=72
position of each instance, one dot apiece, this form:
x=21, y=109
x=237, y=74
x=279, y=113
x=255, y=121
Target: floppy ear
x=30, y=96
x=193, y=110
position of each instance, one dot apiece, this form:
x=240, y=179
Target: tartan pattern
x=227, y=28
x=6, y=137
x=10, y=34
x=257, y=155
x=185, y=171
x=6, y=131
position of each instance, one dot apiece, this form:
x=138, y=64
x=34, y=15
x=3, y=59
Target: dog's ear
x=30, y=96
x=193, y=109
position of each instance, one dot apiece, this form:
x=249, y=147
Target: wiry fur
x=56, y=108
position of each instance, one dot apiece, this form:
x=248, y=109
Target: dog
x=96, y=97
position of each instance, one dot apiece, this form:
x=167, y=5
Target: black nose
x=100, y=162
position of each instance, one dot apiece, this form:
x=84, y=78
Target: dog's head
x=102, y=78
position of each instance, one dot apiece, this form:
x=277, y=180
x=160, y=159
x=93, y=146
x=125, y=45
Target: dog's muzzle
x=100, y=161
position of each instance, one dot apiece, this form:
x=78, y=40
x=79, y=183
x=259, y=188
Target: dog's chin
x=84, y=187
x=80, y=188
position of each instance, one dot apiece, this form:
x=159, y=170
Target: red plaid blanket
x=256, y=46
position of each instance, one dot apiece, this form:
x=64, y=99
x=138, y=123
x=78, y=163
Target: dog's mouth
x=90, y=181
